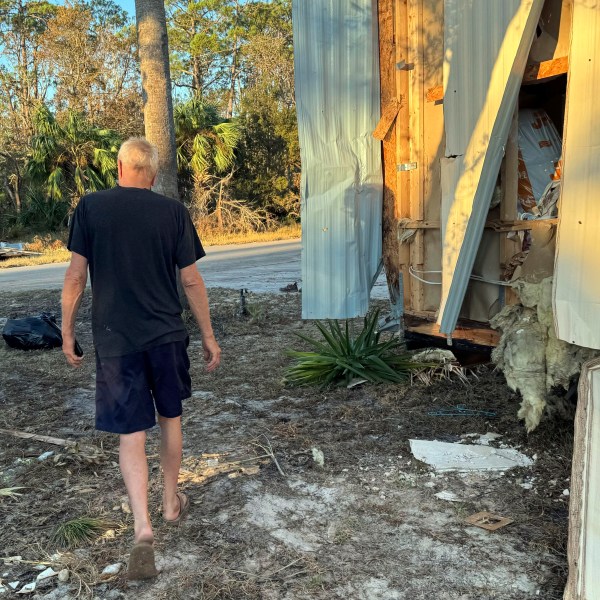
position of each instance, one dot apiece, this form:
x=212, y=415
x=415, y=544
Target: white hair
x=140, y=155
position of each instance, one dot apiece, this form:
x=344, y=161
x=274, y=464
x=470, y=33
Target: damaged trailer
x=437, y=137
x=456, y=144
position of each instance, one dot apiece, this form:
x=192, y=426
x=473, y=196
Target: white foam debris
x=46, y=574
x=28, y=589
x=449, y=496
x=444, y=456
x=112, y=569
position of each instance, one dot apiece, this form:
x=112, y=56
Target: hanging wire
x=416, y=273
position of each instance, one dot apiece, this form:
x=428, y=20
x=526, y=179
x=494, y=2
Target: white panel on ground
x=576, y=280
x=337, y=94
x=486, y=44
x=584, y=508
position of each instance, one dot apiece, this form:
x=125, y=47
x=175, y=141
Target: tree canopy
x=70, y=92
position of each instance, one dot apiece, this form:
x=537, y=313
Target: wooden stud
x=500, y=226
x=403, y=137
x=509, y=177
x=415, y=148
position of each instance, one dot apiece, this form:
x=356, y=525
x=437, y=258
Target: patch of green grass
x=78, y=531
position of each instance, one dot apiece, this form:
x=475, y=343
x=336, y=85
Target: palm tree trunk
x=156, y=89
x=233, y=74
x=218, y=210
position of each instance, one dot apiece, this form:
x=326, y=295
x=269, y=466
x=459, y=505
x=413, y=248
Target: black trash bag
x=33, y=333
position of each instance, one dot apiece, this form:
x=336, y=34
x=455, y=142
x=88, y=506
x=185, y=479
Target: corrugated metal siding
x=576, y=274
x=337, y=96
x=486, y=44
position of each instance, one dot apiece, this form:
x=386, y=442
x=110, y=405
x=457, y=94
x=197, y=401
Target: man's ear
x=120, y=168
x=153, y=181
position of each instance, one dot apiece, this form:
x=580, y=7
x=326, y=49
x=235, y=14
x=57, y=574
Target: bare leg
x=170, y=460
x=134, y=468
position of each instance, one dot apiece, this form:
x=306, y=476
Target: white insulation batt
x=486, y=44
x=336, y=54
x=577, y=279
x=584, y=507
x=533, y=359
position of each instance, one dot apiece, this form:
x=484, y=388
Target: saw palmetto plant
x=339, y=358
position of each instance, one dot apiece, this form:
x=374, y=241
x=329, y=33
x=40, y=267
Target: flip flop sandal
x=141, y=562
x=184, y=507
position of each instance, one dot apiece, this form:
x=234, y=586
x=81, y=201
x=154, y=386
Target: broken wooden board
x=584, y=510
x=548, y=68
x=38, y=438
x=489, y=521
x=388, y=116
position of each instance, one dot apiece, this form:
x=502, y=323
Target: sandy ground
x=365, y=525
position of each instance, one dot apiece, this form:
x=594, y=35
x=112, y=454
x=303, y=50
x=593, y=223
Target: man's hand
x=212, y=352
x=68, y=349
x=75, y=280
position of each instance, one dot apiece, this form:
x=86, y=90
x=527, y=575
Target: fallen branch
x=268, y=450
x=39, y=438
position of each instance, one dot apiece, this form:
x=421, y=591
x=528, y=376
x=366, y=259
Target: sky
x=128, y=5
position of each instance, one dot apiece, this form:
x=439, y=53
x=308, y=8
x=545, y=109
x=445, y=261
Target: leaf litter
x=267, y=522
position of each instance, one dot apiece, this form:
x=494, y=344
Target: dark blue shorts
x=130, y=389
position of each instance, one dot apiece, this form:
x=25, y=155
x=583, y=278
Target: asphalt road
x=258, y=267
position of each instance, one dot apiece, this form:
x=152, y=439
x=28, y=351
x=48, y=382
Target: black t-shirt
x=133, y=239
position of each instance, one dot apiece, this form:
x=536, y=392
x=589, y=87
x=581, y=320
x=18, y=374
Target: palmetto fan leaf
x=72, y=157
x=205, y=142
x=339, y=357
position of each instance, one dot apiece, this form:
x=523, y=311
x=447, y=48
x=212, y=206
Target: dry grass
x=217, y=238
x=52, y=248
x=222, y=552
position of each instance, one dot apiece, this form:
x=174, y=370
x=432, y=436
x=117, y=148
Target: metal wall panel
x=576, y=278
x=486, y=44
x=337, y=96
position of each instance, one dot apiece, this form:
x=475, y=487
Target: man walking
x=132, y=240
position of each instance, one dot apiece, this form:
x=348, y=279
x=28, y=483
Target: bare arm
x=195, y=291
x=73, y=288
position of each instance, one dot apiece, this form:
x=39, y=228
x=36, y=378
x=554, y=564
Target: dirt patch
x=365, y=525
